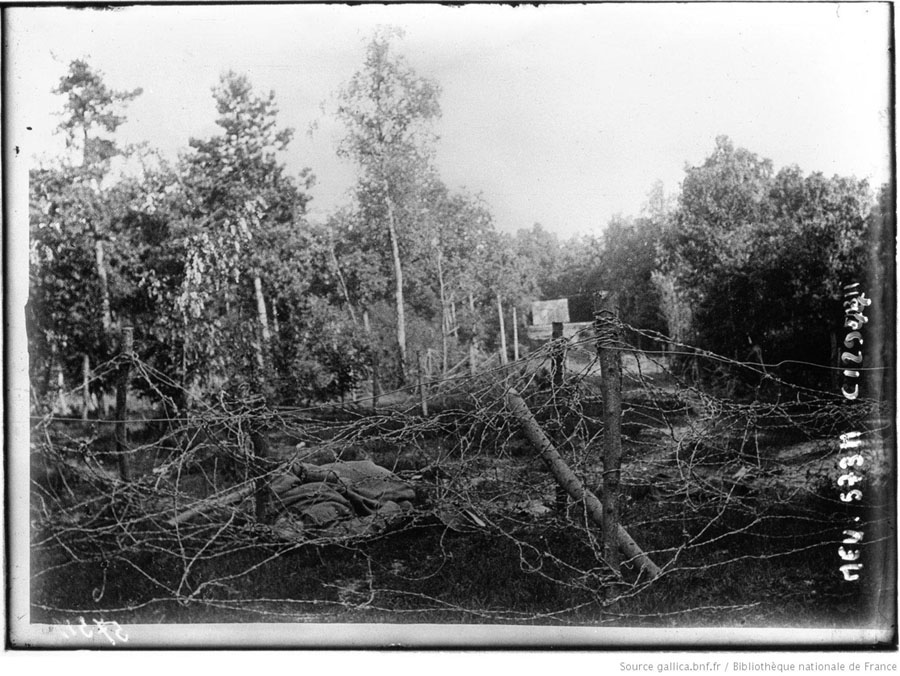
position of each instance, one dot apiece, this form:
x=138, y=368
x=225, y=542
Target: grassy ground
x=764, y=556
x=431, y=575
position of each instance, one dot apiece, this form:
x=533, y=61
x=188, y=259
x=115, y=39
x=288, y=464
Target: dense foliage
x=215, y=264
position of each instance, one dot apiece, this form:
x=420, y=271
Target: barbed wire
x=706, y=469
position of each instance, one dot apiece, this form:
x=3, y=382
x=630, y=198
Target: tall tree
x=761, y=256
x=815, y=242
x=443, y=259
x=91, y=112
x=388, y=110
x=509, y=276
x=74, y=210
x=543, y=251
x=628, y=262
x=244, y=205
x=721, y=202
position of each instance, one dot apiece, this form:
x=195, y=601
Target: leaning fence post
x=607, y=332
x=127, y=352
x=570, y=481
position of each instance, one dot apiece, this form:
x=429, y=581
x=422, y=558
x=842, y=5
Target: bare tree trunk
x=261, y=309
x=423, y=398
x=340, y=276
x=60, y=379
x=104, y=286
x=185, y=385
x=398, y=279
x=376, y=386
x=263, y=321
x=429, y=363
x=445, y=319
x=504, y=358
x=445, y=348
x=100, y=261
x=85, y=385
x=515, y=334
x=202, y=506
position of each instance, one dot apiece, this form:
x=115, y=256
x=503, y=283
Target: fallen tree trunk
x=568, y=480
x=201, y=507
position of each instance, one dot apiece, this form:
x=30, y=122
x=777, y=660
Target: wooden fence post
x=558, y=368
x=607, y=331
x=127, y=351
x=557, y=376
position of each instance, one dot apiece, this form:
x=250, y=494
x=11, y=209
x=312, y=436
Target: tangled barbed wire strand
x=700, y=474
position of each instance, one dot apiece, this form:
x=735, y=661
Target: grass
x=455, y=580
x=531, y=574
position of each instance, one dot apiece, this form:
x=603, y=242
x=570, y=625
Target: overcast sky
x=563, y=115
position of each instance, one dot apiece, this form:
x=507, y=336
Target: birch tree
x=241, y=200
x=388, y=110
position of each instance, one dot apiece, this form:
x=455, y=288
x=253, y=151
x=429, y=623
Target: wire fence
x=241, y=510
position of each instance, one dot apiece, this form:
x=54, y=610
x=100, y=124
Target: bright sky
x=563, y=115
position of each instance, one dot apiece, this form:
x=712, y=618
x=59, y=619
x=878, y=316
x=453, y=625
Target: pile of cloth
x=339, y=499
